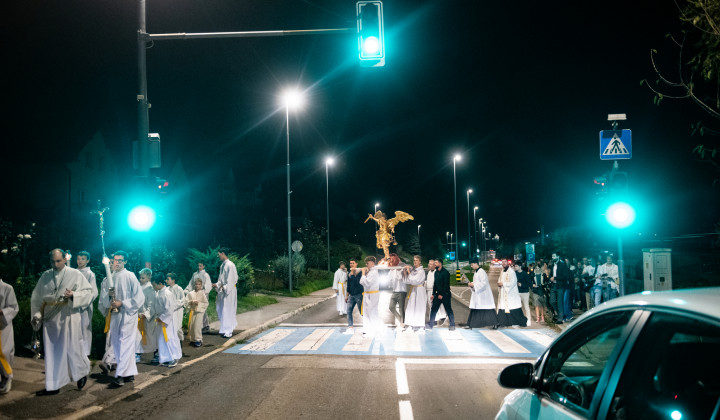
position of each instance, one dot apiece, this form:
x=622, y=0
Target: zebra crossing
x=335, y=340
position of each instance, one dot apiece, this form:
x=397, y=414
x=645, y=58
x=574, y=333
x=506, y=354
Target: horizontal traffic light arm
x=248, y=34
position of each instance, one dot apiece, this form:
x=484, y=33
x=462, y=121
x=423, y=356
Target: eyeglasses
x=119, y=261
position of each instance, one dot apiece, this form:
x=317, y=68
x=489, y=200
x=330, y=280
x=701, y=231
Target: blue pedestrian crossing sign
x=615, y=144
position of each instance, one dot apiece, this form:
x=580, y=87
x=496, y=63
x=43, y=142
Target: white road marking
x=407, y=341
x=406, y=410
x=358, y=342
x=314, y=340
x=537, y=337
x=268, y=340
x=503, y=342
x=454, y=341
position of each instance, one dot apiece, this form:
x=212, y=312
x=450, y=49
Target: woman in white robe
x=482, y=302
x=340, y=286
x=8, y=309
x=509, y=303
x=417, y=296
x=60, y=315
x=169, y=351
x=197, y=304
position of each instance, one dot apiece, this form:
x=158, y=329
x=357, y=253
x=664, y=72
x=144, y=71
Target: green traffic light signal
x=620, y=215
x=370, y=33
x=141, y=218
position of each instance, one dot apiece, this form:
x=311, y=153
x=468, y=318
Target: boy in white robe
x=371, y=297
x=482, y=302
x=339, y=286
x=197, y=303
x=168, y=342
x=59, y=297
x=509, y=303
x=108, y=361
x=417, y=296
x=177, y=291
x=83, y=259
x=147, y=341
x=128, y=300
x=226, y=301
x=8, y=309
x=207, y=287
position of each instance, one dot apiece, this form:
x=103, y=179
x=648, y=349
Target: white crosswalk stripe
x=358, y=342
x=407, y=341
x=314, y=340
x=503, y=342
x=454, y=341
x=537, y=337
x=268, y=340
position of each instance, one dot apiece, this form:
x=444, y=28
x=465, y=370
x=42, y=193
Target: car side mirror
x=516, y=376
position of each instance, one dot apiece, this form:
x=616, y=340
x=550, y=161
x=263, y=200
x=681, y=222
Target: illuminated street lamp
x=457, y=251
x=475, y=209
x=291, y=99
x=328, y=162
x=376, y=227
x=469, y=191
x=419, y=235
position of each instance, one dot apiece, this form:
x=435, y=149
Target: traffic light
x=618, y=183
x=163, y=185
x=620, y=215
x=141, y=218
x=370, y=33
x=601, y=185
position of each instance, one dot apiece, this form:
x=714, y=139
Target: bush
x=245, y=270
x=280, y=267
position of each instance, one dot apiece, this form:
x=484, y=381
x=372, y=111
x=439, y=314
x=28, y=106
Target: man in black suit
x=441, y=295
x=559, y=279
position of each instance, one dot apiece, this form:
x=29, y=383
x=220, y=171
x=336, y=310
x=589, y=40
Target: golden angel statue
x=386, y=228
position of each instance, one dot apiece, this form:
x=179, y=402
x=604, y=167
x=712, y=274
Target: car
x=496, y=262
x=652, y=355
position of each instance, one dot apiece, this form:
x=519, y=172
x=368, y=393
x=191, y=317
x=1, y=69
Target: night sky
x=520, y=89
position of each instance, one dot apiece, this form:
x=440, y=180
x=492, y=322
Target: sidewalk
x=29, y=375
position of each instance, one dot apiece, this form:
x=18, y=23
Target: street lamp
x=447, y=240
x=291, y=98
x=329, y=161
x=457, y=251
x=475, y=209
x=376, y=228
x=419, y=235
x=469, y=191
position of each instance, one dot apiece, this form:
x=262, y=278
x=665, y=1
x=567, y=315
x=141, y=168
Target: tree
x=698, y=72
x=314, y=245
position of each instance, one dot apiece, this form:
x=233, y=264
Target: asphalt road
x=322, y=386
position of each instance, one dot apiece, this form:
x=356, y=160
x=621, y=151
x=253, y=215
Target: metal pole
x=142, y=102
x=289, y=221
x=327, y=195
x=457, y=251
x=621, y=266
x=469, y=244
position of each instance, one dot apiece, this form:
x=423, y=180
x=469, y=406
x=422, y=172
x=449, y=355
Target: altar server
x=417, y=297
x=60, y=296
x=147, y=342
x=197, y=304
x=177, y=291
x=339, y=285
x=8, y=309
x=165, y=304
x=226, y=301
x=83, y=259
x=371, y=297
x=207, y=287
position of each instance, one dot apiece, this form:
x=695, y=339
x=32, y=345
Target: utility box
x=657, y=269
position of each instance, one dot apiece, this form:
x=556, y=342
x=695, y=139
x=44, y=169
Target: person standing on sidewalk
x=482, y=302
x=56, y=304
x=197, y=303
x=339, y=283
x=128, y=300
x=558, y=282
x=417, y=297
x=355, y=292
x=226, y=301
x=399, y=291
x=177, y=291
x=441, y=295
x=523, y=283
x=8, y=309
x=371, y=283
x=146, y=323
x=207, y=287
x=168, y=341
x=83, y=258
x=509, y=304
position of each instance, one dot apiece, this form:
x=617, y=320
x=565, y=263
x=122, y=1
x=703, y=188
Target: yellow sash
x=362, y=308
x=190, y=319
x=141, y=328
x=163, y=328
x=343, y=289
x=107, y=321
x=3, y=362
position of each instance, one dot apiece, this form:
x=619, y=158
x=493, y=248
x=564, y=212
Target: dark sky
x=521, y=89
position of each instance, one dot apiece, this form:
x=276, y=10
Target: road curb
x=93, y=409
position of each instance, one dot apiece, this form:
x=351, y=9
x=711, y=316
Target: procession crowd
x=141, y=316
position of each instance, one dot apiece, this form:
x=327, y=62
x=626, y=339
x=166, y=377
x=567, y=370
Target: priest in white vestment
x=8, y=309
x=482, y=302
x=370, y=280
x=169, y=351
x=60, y=296
x=340, y=286
x=417, y=296
x=226, y=301
x=128, y=300
x=83, y=258
x=509, y=303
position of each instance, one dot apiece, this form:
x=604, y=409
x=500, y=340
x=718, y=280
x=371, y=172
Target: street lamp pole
x=376, y=228
x=419, y=236
x=329, y=161
x=457, y=251
x=475, y=231
x=292, y=98
x=447, y=241
x=469, y=244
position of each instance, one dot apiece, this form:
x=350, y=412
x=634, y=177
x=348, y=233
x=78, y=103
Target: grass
x=245, y=304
